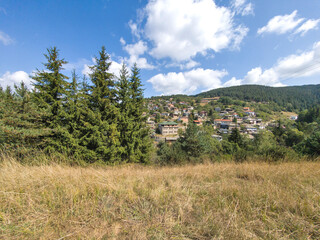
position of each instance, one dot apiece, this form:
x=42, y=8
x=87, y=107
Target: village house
x=250, y=113
x=168, y=128
x=151, y=124
x=222, y=113
x=176, y=112
x=293, y=118
x=197, y=122
x=219, y=122
x=203, y=114
x=251, y=130
x=254, y=121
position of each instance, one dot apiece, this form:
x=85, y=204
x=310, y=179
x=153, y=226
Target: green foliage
x=235, y=137
x=290, y=98
x=51, y=87
x=311, y=145
x=97, y=121
x=21, y=125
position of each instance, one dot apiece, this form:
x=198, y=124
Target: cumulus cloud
x=114, y=68
x=305, y=64
x=183, y=65
x=281, y=24
x=181, y=29
x=242, y=7
x=76, y=65
x=15, y=78
x=5, y=39
x=134, y=29
x=187, y=82
x=307, y=26
x=135, y=51
x=300, y=65
x=233, y=82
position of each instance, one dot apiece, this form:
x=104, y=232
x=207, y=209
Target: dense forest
x=96, y=120
x=293, y=98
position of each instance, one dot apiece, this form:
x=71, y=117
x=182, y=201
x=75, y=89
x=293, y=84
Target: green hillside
x=292, y=98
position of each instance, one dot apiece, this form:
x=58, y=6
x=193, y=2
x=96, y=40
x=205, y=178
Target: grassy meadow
x=207, y=201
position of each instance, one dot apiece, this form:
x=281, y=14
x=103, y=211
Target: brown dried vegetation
x=210, y=201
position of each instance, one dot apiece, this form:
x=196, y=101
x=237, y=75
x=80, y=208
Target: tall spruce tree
x=125, y=124
x=51, y=95
x=140, y=136
x=51, y=87
x=102, y=134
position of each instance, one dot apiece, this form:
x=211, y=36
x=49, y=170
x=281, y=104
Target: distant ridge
x=295, y=97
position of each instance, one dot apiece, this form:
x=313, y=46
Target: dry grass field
x=209, y=201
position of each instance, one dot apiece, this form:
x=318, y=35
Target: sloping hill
x=295, y=97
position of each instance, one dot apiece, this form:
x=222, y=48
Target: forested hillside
x=291, y=98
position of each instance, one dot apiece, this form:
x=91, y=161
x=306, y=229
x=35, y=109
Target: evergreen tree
x=236, y=137
x=21, y=127
x=190, y=141
x=126, y=123
x=102, y=135
x=51, y=87
x=140, y=135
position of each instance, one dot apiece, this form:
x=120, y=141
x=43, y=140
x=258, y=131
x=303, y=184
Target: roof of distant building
x=225, y=120
x=168, y=123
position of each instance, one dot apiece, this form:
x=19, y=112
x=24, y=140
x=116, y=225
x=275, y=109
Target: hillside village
x=168, y=117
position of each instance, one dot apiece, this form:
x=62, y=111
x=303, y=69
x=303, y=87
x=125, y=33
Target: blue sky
x=181, y=46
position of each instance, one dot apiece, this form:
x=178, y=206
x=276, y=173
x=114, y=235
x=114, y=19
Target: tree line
x=95, y=119
x=292, y=98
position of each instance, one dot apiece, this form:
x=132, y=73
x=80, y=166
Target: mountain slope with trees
x=290, y=98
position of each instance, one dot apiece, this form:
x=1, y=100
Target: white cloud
x=9, y=79
x=268, y=77
x=190, y=64
x=134, y=29
x=114, y=68
x=281, y=24
x=86, y=70
x=307, y=26
x=187, y=82
x=122, y=41
x=233, y=82
x=135, y=51
x=5, y=38
x=242, y=7
x=76, y=65
x=184, y=65
x=302, y=65
x=181, y=29
x=305, y=64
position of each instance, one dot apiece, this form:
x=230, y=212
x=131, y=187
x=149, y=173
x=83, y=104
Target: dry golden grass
x=211, y=201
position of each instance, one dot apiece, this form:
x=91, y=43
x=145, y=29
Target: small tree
x=236, y=137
